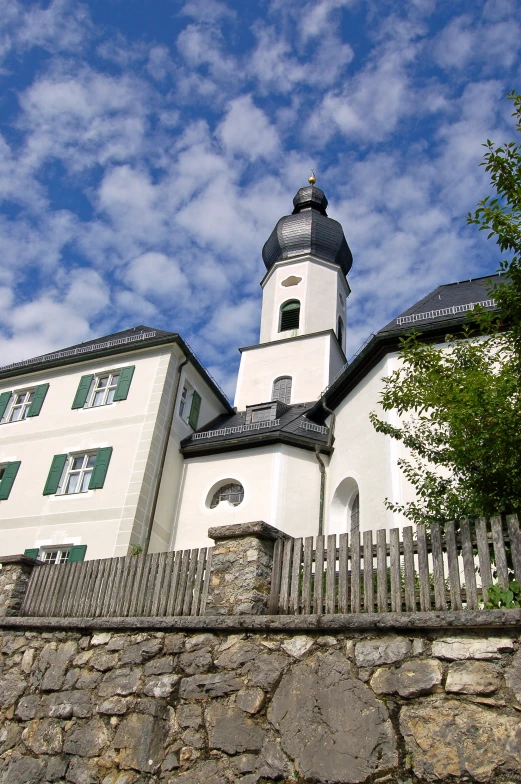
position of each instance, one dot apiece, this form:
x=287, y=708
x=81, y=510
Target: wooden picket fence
x=161, y=584
x=421, y=571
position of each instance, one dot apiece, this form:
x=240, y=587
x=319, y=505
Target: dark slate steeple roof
x=308, y=230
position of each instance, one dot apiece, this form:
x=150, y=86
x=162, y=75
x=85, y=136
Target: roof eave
x=265, y=439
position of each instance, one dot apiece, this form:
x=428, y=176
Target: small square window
x=77, y=474
x=102, y=390
x=54, y=555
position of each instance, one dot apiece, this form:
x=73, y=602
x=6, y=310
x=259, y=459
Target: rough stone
x=170, y=762
x=141, y=739
x=273, y=763
x=196, y=662
x=456, y=739
x=28, y=660
x=266, y=670
x=174, y=643
x=199, y=687
x=25, y=770
x=86, y=739
x=88, y=679
x=231, y=731
x=57, y=662
x=27, y=707
x=245, y=763
x=100, y=638
x=385, y=650
x=124, y=681
x=468, y=648
x=162, y=666
x=43, y=737
x=237, y=655
x=298, y=646
x=189, y=715
x=250, y=700
x=472, y=677
x=83, y=771
x=160, y=685
x=56, y=768
x=143, y=651
x=10, y=732
x=193, y=738
x=409, y=680
x=11, y=688
x=197, y=641
x=104, y=661
x=204, y=772
x=114, y=706
x=65, y=704
x=330, y=724
x=513, y=676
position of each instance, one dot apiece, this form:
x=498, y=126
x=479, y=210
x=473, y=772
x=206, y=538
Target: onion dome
x=308, y=231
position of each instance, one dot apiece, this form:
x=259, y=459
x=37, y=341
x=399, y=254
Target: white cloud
x=247, y=131
x=157, y=274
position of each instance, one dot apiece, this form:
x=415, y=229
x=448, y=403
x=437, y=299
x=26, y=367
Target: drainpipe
x=168, y=426
x=322, y=468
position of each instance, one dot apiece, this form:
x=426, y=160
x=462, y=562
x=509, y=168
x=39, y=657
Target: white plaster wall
x=106, y=520
x=317, y=292
x=281, y=486
x=308, y=360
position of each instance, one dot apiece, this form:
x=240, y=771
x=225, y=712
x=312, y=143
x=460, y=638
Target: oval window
x=233, y=492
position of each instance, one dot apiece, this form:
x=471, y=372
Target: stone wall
x=214, y=708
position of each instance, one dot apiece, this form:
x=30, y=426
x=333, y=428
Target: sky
x=148, y=147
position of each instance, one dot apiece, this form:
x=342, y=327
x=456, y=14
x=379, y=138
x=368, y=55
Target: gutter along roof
x=117, y=343
x=441, y=312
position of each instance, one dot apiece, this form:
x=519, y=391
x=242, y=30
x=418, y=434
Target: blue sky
x=147, y=148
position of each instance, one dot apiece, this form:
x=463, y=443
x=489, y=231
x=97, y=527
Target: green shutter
x=83, y=391
x=55, y=473
x=125, y=377
x=39, y=397
x=194, y=410
x=32, y=552
x=8, y=478
x=99, y=472
x=5, y=397
x=77, y=552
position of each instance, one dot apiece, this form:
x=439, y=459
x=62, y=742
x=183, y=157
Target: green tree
x=460, y=406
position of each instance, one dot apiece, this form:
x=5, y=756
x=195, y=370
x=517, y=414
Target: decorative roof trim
x=487, y=303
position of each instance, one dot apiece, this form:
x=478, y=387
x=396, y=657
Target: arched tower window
x=282, y=389
x=340, y=330
x=289, y=315
x=232, y=492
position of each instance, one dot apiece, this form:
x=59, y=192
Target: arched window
x=232, y=492
x=289, y=315
x=355, y=513
x=340, y=330
x=282, y=389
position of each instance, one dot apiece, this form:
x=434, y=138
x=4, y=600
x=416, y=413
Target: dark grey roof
x=446, y=303
x=442, y=311
x=308, y=230
x=227, y=432
x=115, y=343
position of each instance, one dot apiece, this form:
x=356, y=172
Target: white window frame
x=185, y=401
x=68, y=471
x=110, y=387
x=24, y=405
x=60, y=552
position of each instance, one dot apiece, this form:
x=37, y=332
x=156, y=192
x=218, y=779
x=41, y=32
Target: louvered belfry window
x=282, y=389
x=289, y=315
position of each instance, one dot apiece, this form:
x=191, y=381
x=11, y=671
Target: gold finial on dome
x=312, y=180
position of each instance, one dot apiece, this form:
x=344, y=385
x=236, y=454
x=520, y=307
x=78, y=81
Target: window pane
x=102, y=382
x=29, y=397
x=98, y=398
x=234, y=493
x=91, y=461
x=110, y=396
x=77, y=463
x=72, y=483
x=85, y=483
x=15, y=414
x=114, y=380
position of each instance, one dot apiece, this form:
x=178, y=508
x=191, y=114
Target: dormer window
x=265, y=412
x=289, y=315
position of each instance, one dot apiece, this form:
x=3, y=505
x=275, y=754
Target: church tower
x=303, y=321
